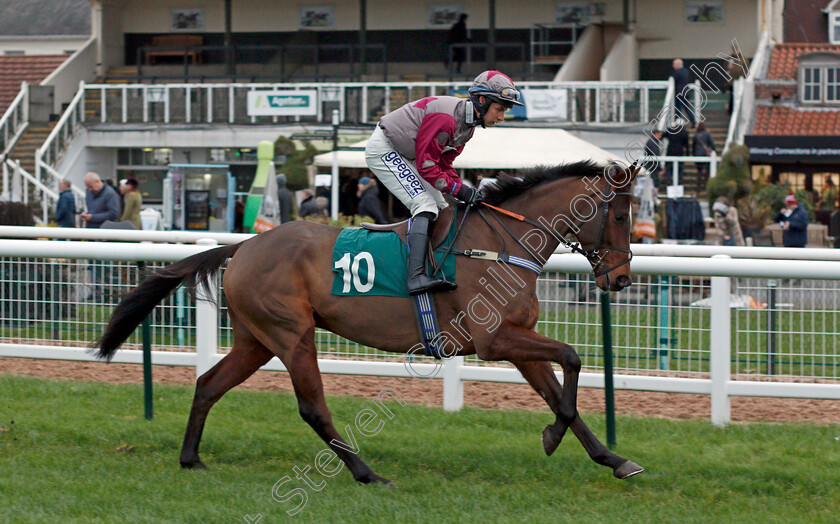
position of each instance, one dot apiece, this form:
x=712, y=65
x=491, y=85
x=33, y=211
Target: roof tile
x=783, y=60
x=14, y=69
x=788, y=121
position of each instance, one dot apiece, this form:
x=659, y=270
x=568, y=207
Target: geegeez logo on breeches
x=406, y=177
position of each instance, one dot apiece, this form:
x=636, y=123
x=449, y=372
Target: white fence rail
x=49, y=154
x=671, y=329
x=14, y=121
x=357, y=102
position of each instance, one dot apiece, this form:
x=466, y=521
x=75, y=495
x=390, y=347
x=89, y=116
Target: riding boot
x=418, y=242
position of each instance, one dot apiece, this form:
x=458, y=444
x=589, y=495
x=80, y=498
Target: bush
x=296, y=162
x=733, y=176
x=343, y=220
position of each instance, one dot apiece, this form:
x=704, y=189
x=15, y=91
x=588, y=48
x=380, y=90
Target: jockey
x=412, y=150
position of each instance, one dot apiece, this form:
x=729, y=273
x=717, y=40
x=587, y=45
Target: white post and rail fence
x=721, y=265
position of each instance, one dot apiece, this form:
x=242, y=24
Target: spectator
x=794, y=221
x=458, y=35
x=703, y=145
x=728, y=222
x=681, y=80
x=102, y=202
x=308, y=205
x=284, y=198
x=369, y=204
x=323, y=204
x=653, y=148
x=678, y=146
x=110, y=183
x=133, y=202
x=65, y=210
x=828, y=196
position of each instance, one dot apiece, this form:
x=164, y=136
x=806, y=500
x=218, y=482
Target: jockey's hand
x=469, y=195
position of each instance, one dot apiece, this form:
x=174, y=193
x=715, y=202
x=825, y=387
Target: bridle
x=594, y=255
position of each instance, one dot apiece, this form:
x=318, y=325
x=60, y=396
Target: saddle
x=424, y=306
x=438, y=230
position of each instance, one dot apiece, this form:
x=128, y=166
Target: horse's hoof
x=551, y=438
x=373, y=478
x=193, y=465
x=627, y=470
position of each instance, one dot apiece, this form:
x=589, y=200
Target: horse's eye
x=621, y=219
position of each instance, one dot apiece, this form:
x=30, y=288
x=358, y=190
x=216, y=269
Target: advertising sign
x=546, y=104
x=283, y=103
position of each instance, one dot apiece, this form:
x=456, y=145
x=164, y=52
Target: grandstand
x=153, y=84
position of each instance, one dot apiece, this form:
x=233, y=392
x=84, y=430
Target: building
x=795, y=137
x=166, y=83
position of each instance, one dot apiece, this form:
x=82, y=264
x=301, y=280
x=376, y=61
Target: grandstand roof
x=503, y=148
x=14, y=69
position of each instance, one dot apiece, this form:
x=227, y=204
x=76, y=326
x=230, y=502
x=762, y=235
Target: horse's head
x=605, y=237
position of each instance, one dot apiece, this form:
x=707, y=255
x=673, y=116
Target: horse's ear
x=620, y=175
x=634, y=170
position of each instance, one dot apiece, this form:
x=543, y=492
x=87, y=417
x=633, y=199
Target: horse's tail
x=136, y=305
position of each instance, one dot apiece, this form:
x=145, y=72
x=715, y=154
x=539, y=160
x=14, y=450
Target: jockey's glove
x=469, y=195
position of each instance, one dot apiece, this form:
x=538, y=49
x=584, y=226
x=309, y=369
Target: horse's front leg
x=541, y=377
x=517, y=344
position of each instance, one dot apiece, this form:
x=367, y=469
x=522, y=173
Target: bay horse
x=278, y=285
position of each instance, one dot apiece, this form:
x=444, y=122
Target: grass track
x=61, y=461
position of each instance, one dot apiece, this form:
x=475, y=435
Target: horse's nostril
x=624, y=281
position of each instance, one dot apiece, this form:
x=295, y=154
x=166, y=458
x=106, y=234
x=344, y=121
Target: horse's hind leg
x=302, y=364
x=541, y=377
x=245, y=358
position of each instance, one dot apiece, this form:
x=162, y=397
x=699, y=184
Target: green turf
x=81, y=452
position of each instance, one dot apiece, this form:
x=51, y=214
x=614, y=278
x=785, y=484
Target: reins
x=593, y=255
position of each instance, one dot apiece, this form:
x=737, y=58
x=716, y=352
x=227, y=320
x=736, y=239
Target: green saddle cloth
x=368, y=263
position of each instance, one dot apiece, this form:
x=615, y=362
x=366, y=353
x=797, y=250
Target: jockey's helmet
x=494, y=86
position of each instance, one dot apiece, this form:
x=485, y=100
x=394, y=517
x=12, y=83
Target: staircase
x=32, y=139
x=399, y=95
x=717, y=124
x=122, y=75
x=93, y=101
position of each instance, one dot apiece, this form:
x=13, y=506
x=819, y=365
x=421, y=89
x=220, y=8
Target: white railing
x=19, y=179
x=715, y=360
x=14, y=121
x=49, y=154
x=666, y=114
x=743, y=95
x=193, y=237
x=357, y=102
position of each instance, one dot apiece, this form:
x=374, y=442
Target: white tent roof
x=503, y=148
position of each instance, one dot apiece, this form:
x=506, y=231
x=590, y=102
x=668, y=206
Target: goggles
x=510, y=93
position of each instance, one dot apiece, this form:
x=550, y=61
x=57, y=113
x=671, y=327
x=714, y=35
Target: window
x=834, y=27
x=832, y=84
x=819, y=78
x=811, y=84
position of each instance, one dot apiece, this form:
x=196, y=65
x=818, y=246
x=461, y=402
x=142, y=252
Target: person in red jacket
x=412, y=150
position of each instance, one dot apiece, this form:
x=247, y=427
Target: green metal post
x=609, y=389
x=664, y=322
x=148, y=399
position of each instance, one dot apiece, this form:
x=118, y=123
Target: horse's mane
x=507, y=186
